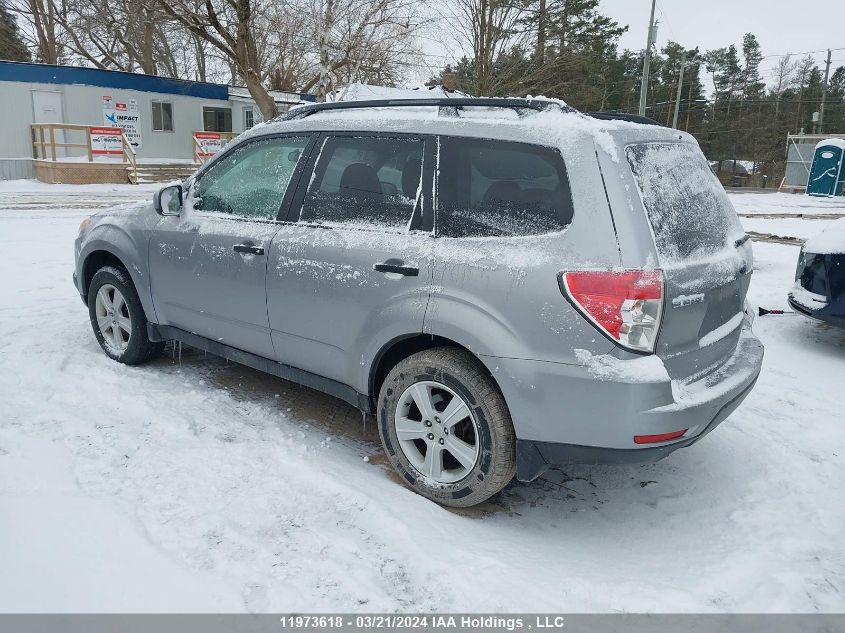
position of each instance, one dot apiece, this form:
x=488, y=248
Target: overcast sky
x=781, y=26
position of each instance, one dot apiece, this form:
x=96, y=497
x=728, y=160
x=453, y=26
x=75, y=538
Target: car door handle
x=248, y=248
x=407, y=271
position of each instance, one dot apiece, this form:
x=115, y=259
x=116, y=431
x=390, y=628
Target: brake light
x=626, y=305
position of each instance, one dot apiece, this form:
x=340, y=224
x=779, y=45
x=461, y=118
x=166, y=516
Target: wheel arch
x=98, y=254
x=94, y=261
x=400, y=348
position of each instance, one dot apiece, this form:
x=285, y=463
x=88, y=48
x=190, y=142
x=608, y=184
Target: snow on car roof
x=548, y=127
x=831, y=241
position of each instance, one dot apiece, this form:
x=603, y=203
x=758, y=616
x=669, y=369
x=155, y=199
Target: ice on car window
x=689, y=210
x=252, y=180
x=365, y=182
x=491, y=188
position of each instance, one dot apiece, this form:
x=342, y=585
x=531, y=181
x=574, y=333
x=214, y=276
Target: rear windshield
x=688, y=209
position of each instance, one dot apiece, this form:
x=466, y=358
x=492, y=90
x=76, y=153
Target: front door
x=208, y=266
x=47, y=108
x=352, y=270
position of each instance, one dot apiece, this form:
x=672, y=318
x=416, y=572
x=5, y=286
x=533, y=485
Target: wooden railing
x=44, y=139
x=45, y=146
x=129, y=156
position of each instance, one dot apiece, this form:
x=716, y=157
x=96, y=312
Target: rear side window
x=365, y=181
x=689, y=210
x=491, y=188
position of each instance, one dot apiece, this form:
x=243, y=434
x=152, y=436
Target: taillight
x=662, y=437
x=626, y=305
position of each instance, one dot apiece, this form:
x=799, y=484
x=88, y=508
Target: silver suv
x=506, y=284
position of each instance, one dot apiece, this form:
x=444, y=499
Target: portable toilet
x=827, y=173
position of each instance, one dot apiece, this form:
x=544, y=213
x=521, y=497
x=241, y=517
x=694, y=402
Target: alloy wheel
x=437, y=431
x=113, y=318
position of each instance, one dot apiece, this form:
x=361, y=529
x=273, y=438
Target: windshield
x=689, y=211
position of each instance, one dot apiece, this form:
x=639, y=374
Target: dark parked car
x=819, y=290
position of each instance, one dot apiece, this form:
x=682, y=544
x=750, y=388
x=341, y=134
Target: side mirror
x=168, y=201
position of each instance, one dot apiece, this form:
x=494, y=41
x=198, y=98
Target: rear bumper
x=534, y=458
x=562, y=414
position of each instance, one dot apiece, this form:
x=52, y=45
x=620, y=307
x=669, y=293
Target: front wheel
x=118, y=318
x=446, y=428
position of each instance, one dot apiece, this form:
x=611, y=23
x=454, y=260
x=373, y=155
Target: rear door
x=208, y=266
x=703, y=251
x=352, y=268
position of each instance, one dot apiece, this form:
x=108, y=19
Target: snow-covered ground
x=202, y=486
x=785, y=204
x=786, y=215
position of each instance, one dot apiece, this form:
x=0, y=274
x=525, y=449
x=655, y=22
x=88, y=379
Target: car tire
x=448, y=475
x=118, y=318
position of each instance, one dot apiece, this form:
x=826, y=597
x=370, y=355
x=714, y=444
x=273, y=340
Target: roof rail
x=621, y=116
x=447, y=106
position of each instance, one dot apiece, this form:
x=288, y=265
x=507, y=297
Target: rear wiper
x=742, y=240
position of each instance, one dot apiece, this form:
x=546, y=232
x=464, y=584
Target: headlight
x=86, y=224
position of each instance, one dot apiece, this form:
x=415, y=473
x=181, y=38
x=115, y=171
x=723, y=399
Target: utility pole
x=652, y=35
x=680, y=86
x=824, y=93
x=689, y=105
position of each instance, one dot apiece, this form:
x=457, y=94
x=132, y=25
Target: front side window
x=252, y=180
x=162, y=116
x=489, y=188
x=366, y=182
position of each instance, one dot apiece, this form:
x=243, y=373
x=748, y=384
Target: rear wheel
x=118, y=318
x=445, y=427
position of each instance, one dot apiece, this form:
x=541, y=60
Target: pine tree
x=574, y=47
x=753, y=86
x=11, y=44
x=834, y=116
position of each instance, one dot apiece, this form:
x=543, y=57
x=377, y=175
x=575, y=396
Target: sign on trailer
x=125, y=116
x=106, y=141
x=210, y=142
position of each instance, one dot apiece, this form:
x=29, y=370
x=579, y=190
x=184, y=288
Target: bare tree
x=325, y=27
x=230, y=26
x=783, y=75
x=485, y=29
x=805, y=67
x=363, y=39
x=297, y=45
x=292, y=60
x=42, y=31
